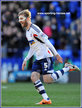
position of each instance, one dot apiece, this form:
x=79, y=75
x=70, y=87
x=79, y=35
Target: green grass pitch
x=25, y=95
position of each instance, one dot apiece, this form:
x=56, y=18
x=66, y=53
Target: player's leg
x=47, y=69
x=35, y=77
x=53, y=77
x=49, y=78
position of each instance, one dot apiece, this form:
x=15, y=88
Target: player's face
x=22, y=21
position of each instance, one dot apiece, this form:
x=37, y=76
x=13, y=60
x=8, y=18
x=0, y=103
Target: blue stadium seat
x=55, y=4
x=65, y=53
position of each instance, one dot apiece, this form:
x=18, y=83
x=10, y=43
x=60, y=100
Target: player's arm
x=44, y=38
x=52, y=48
x=30, y=54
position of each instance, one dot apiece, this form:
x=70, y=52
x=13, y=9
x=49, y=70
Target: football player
x=44, y=51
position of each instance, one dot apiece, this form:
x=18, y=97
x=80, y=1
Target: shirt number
x=45, y=66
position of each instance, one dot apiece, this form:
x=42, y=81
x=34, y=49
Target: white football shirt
x=39, y=44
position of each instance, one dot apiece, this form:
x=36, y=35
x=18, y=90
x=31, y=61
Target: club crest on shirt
x=31, y=42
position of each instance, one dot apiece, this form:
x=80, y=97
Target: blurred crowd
x=64, y=31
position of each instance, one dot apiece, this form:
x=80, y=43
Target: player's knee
x=34, y=77
x=47, y=79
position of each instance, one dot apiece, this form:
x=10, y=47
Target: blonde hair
x=25, y=12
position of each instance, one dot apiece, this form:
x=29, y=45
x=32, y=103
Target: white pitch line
x=4, y=87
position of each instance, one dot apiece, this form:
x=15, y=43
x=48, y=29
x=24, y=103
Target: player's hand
x=59, y=58
x=24, y=64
